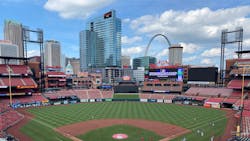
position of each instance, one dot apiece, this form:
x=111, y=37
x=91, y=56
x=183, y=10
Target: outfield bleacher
x=81, y=94
x=209, y=92
x=145, y=96
x=95, y=94
x=107, y=94
x=157, y=96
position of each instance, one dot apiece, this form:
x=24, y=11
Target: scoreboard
x=174, y=74
x=203, y=75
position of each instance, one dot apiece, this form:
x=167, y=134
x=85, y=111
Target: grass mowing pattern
x=126, y=96
x=185, y=116
x=41, y=132
x=105, y=134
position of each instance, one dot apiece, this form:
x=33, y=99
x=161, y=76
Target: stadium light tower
x=10, y=93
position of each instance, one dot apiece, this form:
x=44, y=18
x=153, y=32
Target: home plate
x=120, y=136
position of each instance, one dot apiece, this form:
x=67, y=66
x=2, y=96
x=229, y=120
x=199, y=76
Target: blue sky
x=195, y=24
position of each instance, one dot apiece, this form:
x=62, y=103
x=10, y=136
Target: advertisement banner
x=160, y=100
x=167, y=101
x=143, y=100
x=98, y=100
x=84, y=100
x=152, y=100
x=91, y=100
x=108, y=99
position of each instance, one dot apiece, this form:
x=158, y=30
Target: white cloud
x=246, y=43
x=132, y=50
x=230, y=53
x=214, y=52
x=200, y=25
x=31, y=53
x=76, y=8
x=189, y=59
x=127, y=40
x=163, y=55
x=207, y=61
x=189, y=47
x=127, y=20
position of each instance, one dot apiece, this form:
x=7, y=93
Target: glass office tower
x=108, y=29
x=91, y=50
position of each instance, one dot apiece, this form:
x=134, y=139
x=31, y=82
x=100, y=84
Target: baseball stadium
x=158, y=110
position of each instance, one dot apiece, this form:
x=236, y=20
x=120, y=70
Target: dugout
x=228, y=102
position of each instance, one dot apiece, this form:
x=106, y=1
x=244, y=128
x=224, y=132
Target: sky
x=194, y=24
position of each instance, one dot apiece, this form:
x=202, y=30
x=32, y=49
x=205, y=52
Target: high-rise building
x=13, y=33
x=175, y=55
x=91, y=50
x=63, y=62
x=108, y=41
x=52, y=53
x=112, y=75
x=143, y=62
x=9, y=50
x=138, y=74
x=125, y=61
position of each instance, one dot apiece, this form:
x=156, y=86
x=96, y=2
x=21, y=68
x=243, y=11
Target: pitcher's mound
x=120, y=136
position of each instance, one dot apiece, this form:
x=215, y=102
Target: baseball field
x=147, y=121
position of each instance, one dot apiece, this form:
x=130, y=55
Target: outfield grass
x=126, y=96
x=193, y=118
x=134, y=134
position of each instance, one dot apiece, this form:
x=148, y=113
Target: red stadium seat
x=3, y=69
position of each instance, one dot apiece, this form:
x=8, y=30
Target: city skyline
x=196, y=25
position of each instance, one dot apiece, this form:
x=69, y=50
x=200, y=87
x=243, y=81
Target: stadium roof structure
x=243, y=52
x=13, y=58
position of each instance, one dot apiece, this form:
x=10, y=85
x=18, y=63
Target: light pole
x=242, y=97
x=10, y=94
x=242, y=89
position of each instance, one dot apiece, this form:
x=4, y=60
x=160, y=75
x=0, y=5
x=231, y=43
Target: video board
x=174, y=74
x=208, y=74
